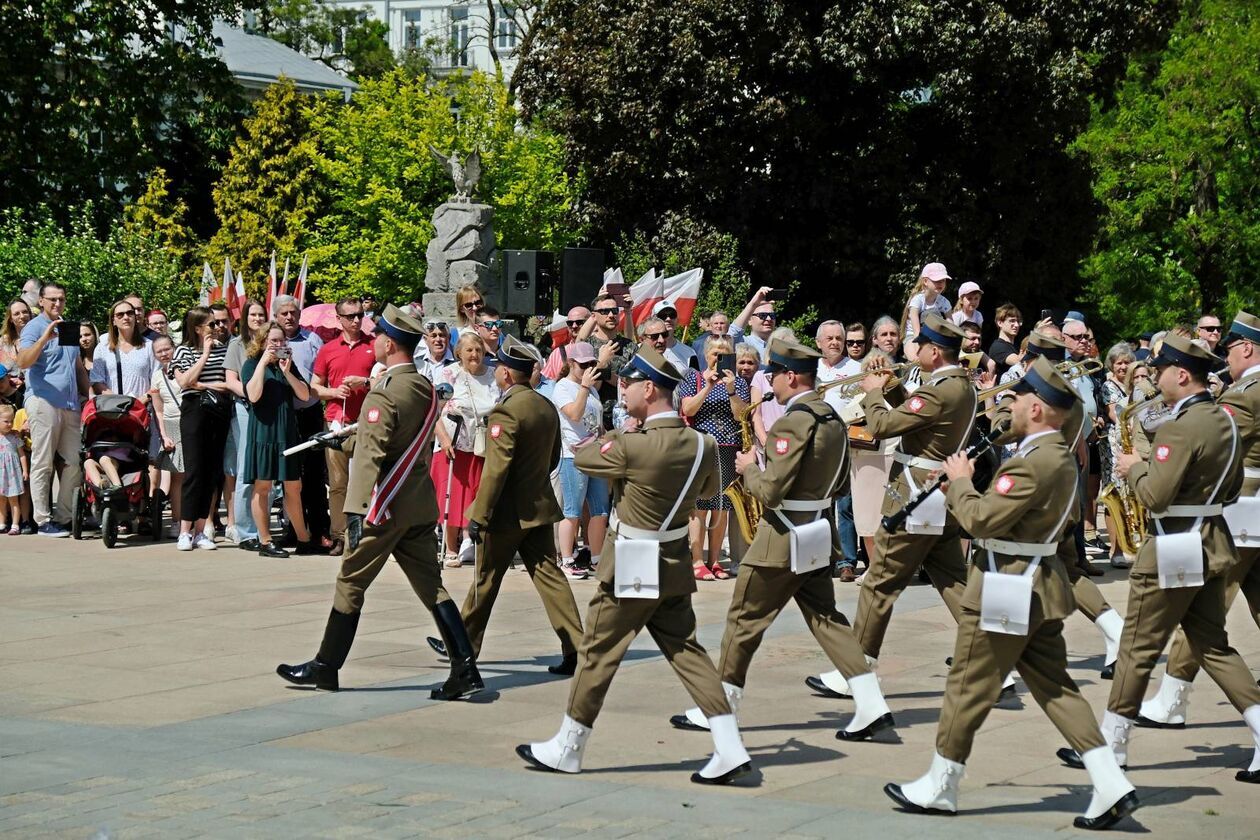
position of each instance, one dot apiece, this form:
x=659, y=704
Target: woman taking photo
x=204, y=412
x=457, y=465
x=166, y=395
x=123, y=364
x=576, y=397
x=241, y=517
x=15, y=317
x=712, y=400
x=272, y=383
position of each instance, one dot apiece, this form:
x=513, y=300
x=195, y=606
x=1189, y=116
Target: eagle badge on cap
x=495, y=431
x=1004, y=484
x=1162, y=452
x=373, y=415
x=916, y=404
x=780, y=446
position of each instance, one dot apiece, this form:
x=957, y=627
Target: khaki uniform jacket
x=522, y=448
x=933, y=423
x=1024, y=503
x=796, y=469
x=1188, y=456
x=647, y=469
x=1242, y=400
x=1073, y=424
x=392, y=416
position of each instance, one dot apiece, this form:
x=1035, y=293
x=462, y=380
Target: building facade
x=457, y=34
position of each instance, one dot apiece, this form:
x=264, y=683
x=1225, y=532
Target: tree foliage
x=343, y=38
x=160, y=219
x=843, y=144
x=1177, y=163
x=96, y=94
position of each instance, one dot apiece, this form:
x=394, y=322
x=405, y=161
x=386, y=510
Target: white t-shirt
x=680, y=356
x=961, y=318
x=941, y=306
x=137, y=369
x=565, y=392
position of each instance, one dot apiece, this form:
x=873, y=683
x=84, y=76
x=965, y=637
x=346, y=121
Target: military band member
x=1017, y=525
x=1241, y=348
x=933, y=424
x=807, y=466
x=515, y=507
x=657, y=474
x=1196, y=468
x=391, y=508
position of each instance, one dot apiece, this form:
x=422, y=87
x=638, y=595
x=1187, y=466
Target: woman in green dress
x=271, y=385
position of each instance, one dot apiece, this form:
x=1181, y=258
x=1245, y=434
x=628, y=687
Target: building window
x=506, y=39
x=411, y=29
x=460, y=36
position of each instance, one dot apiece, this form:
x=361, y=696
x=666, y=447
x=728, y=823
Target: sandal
x=702, y=572
x=451, y=561
x=719, y=573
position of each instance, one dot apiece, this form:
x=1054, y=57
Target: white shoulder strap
x=695, y=468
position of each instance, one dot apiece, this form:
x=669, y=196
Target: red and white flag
x=271, y=286
x=299, y=289
x=239, y=306
x=227, y=293
x=207, y=284
x=682, y=290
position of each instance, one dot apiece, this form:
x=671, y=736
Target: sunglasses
x=474, y=304
x=125, y=313
x=609, y=311
x=655, y=336
x=767, y=316
x=858, y=343
x=1210, y=328
x=573, y=324
x=1075, y=336
x=436, y=325
x=492, y=325
x=585, y=365
x=218, y=323
x=351, y=316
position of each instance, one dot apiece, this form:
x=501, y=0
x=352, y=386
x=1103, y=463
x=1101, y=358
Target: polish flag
x=241, y=296
x=299, y=290
x=227, y=294
x=207, y=284
x=681, y=290
x=271, y=285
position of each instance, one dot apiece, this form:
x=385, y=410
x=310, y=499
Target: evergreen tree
x=159, y=218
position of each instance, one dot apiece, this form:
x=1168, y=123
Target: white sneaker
x=204, y=542
x=185, y=542
x=208, y=531
x=572, y=572
x=232, y=535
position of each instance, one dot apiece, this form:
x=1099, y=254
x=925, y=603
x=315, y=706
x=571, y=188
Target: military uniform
x=807, y=466
x=390, y=496
x=1196, y=465
x=657, y=474
x=1017, y=525
x=515, y=508
x=1242, y=401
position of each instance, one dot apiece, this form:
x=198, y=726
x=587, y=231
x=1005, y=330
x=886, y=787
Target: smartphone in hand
x=68, y=334
x=618, y=291
x=725, y=362
x=777, y=294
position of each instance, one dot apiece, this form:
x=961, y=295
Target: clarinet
x=894, y=521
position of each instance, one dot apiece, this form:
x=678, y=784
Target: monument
x=462, y=250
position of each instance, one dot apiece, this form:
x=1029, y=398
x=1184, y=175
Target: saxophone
x=747, y=509
x=1123, y=507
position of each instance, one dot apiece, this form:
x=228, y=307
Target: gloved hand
x=331, y=440
x=474, y=531
x=354, y=529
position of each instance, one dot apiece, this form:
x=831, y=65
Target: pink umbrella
x=322, y=318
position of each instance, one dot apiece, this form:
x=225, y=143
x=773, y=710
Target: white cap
x=968, y=287
x=661, y=305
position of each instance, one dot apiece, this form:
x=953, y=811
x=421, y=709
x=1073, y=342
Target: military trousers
x=1244, y=577
x=612, y=624
x=537, y=547
x=897, y=560
x=1150, y=619
x=981, y=662
x=761, y=593
x=414, y=546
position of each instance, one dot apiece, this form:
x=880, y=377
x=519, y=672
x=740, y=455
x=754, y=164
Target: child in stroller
x=115, y=457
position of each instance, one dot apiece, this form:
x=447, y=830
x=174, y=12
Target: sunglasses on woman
x=474, y=304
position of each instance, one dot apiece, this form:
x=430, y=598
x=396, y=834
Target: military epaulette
x=1239, y=387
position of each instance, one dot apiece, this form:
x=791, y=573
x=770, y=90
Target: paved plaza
x=138, y=698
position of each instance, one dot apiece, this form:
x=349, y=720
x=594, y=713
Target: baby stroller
x=116, y=427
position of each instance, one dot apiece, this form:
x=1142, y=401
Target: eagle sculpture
x=465, y=174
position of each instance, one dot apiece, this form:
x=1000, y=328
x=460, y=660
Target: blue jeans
x=848, y=532
x=245, y=527
x=577, y=487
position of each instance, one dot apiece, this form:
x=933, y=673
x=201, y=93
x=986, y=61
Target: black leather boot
x=567, y=666
x=321, y=671
x=464, y=680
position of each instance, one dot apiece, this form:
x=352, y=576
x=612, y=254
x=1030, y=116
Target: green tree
x=343, y=38
x=1177, y=171
x=159, y=218
x=384, y=185
x=270, y=195
x=96, y=94
x=842, y=144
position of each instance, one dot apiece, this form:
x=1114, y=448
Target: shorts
x=578, y=487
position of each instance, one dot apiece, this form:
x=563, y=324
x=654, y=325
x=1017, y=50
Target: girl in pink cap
x=928, y=297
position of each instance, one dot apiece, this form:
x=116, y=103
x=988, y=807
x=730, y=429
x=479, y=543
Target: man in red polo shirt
x=340, y=378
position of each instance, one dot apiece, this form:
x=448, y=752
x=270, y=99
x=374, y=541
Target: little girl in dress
x=14, y=469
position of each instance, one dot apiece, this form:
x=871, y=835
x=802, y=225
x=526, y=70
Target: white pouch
x=637, y=569
x=1180, y=559
x=1005, y=602
x=929, y=516
x=811, y=546
x=1243, y=518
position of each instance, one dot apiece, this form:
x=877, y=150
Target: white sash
x=637, y=565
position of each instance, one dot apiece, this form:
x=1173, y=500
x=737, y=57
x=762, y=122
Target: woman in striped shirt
x=205, y=411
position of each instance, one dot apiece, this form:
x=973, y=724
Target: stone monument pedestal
x=462, y=252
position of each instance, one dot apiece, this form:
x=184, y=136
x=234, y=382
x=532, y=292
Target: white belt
x=915, y=461
x=1190, y=511
x=633, y=533
x=804, y=505
x=1251, y=472
x=1020, y=549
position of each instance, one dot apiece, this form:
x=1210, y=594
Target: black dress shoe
x=895, y=794
x=526, y=753
x=1108, y=672
x=1147, y=723
x=726, y=778
x=684, y=722
x=1072, y=758
x=876, y=726
x=1125, y=806
x=439, y=647
x=566, y=667
x=308, y=548
x=271, y=550
x=251, y=544
x=314, y=673
x=1251, y=777
x=817, y=685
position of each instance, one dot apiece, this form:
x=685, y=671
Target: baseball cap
x=581, y=351
x=664, y=306
x=935, y=271
x=968, y=287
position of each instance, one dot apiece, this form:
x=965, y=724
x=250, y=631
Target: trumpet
x=1075, y=370
x=893, y=374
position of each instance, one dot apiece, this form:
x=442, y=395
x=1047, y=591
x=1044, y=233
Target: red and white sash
x=387, y=488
